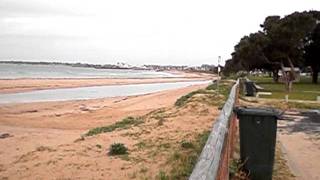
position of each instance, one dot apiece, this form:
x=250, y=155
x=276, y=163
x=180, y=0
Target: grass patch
x=123, y=124
x=303, y=90
x=187, y=144
x=162, y=176
x=224, y=89
x=183, y=99
x=118, y=149
x=292, y=105
x=299, y=105
x=185, y=158
x=281, y=170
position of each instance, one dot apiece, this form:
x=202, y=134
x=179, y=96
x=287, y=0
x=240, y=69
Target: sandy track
x=43, y=146
x=299, y=135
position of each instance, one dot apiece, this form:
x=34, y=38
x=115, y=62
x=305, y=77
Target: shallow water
x=14, y=71
x=93, y=92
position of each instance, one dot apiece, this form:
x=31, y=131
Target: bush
x=118, y=149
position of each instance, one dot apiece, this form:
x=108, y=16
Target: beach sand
x=44, y=138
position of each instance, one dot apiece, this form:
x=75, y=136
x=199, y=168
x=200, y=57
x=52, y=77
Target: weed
x=141, y=145
x=118, y=149
x=124, y=157
x=143, y=170
x=123, y=124
x=162, y=176
x=187, y=144
x=164, y=145
x=160, y=122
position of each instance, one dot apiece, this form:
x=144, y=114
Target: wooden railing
x=213, y=163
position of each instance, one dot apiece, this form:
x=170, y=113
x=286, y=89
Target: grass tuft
x=187, y=144
x=123, y=124
x=118, y=149
x=162, y=176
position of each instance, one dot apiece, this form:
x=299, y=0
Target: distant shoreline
x=85, y=65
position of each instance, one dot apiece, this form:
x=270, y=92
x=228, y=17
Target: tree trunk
x=315, y=72
x=275, y=75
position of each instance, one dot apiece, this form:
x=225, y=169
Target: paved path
x=299, y=135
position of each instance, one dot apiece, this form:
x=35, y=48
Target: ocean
x=94, y=92
x=14, y=71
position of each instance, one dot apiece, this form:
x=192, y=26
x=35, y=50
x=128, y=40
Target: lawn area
x=303, y=90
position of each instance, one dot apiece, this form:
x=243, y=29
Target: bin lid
x=258, y=111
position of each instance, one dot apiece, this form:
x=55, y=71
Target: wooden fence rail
x=213, y=162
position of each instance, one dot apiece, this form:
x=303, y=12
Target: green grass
x=185, y=158
x=183, y=99
x=123, y=124
x=224, y=89
x=303, y=90
x=290, y=105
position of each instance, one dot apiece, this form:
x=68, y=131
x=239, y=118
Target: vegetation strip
x=123, y=124
x=224, y=89
x=184, y=158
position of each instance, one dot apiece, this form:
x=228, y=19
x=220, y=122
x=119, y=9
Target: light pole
x=219, y=58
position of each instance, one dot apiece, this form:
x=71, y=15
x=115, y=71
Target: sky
x=165, y=32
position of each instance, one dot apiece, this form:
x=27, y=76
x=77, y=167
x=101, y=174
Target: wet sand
x=24, y=85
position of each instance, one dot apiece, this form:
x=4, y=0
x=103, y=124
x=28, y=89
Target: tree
x=312, y=52
x=286, y=38
x=279, y=44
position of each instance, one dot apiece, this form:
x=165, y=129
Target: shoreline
x=8, y=86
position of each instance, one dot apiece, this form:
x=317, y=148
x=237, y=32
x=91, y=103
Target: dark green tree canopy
x=312, y=52
x=282, y=40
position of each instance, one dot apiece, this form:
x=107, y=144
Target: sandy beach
x=44, y=139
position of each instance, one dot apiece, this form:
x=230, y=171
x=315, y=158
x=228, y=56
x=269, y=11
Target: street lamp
x=219, y=59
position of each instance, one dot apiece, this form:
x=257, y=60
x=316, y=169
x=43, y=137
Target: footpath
x=299, y=136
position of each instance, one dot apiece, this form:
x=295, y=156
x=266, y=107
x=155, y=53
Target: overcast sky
x=186, y=32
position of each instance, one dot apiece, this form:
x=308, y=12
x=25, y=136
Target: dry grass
x=281, y=170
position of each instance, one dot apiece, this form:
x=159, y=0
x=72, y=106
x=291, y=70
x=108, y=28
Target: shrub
x=118, y=149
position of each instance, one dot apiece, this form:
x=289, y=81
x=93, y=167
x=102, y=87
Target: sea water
x=14, y=71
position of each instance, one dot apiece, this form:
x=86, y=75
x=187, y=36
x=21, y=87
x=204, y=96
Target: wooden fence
x=213, y=163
